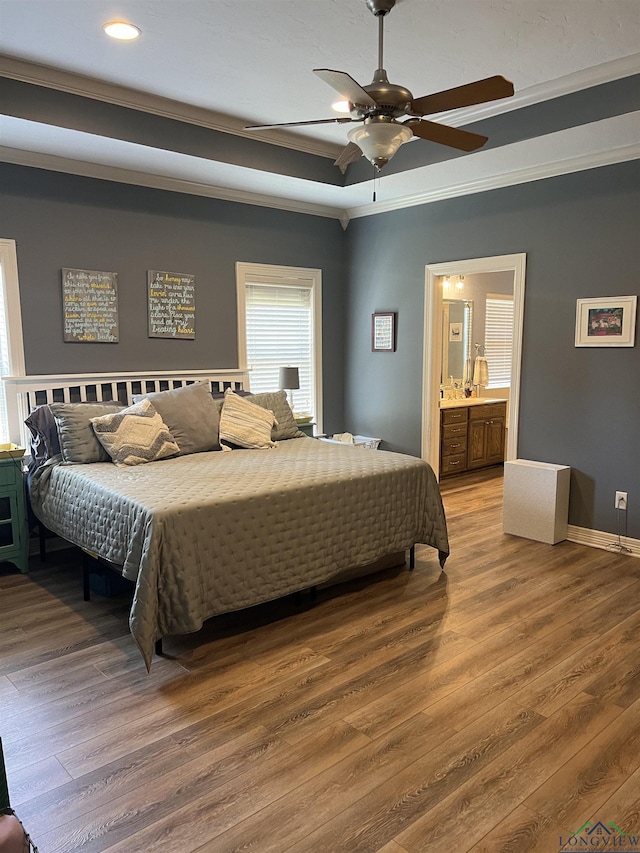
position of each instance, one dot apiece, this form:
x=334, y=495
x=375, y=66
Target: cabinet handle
x=455, y=445
x=451, y=464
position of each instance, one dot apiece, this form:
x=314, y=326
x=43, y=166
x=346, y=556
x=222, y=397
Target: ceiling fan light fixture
x=342, y=106
x=121, y=30
x=379, y=139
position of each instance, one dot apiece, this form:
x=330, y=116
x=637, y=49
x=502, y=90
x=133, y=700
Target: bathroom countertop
x=470, y=401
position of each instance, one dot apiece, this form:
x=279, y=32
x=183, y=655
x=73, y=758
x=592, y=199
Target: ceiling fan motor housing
x=391, y=100
x=380, y=7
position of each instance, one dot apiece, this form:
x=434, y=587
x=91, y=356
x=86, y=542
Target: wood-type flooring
x=494, y=708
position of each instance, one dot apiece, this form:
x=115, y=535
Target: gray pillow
x=277, y=402
x=191, y=416
x=78, y=442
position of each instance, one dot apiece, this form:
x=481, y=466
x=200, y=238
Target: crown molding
x=596, y=75
x=89, y=87
x=343, y=215
x=85, y=169
x=123, y=96
x=518, y=176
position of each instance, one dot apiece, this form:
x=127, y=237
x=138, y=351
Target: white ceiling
x=252, y=60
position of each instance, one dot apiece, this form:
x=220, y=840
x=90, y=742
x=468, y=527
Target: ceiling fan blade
x=299, y=123
x=464, y=140
x=346, y=86
x=490, y=89
x=349, y=154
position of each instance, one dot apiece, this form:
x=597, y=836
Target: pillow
x=135, y=435
x=286, y=426
x=244, y=424
x=190, y=414
x=78, y=442
x=44, y=435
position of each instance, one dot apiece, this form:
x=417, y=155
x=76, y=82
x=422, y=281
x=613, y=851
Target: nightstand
x=14, y=544
x=307, y=428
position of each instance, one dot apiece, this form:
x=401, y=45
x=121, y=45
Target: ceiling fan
x=379, y=106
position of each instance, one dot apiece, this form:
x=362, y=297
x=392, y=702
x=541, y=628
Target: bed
x=210, y=532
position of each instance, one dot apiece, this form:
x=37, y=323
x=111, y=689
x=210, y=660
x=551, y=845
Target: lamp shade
x=289, y=378
x=379, y=139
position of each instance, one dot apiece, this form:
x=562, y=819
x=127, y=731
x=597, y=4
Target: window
x=279, y=325
x=11, y=351
x=499, y=339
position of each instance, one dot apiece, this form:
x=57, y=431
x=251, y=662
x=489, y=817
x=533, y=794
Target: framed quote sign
x=90, y=306
x=172, y=304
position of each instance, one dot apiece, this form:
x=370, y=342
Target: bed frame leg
x=43, y=542
x=158, y=647
x=412, y=558
x=86, y=590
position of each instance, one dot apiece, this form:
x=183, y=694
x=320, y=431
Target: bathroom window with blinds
x=499, y=339
x=279, y=318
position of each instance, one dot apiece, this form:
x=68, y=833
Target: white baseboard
x=606, y=541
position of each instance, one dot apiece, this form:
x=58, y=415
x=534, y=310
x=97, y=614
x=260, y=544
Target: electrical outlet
x=621, y=500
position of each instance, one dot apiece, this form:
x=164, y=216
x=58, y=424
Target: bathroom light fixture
x=446, y=284
x=460, y=284
x=121, y=30
x=379, y=138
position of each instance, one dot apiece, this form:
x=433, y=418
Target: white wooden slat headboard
x=24, y=393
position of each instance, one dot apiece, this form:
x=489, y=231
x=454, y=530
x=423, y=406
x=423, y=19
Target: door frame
x=432, y=355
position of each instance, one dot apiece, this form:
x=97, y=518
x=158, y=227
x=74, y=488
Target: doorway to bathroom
x=501, y=269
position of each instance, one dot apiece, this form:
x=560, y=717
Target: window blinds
x=279, y=330
x=499, y=339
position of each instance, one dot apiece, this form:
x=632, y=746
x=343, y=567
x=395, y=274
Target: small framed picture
x=455, y=332
x=606, y=322
x=383, y=332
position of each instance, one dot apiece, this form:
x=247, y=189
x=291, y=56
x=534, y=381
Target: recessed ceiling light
x=121, y=30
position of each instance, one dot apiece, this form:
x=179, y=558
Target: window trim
x=283, y=276
x=15, y=342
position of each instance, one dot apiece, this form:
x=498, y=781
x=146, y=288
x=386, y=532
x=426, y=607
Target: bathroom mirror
x=457, y=331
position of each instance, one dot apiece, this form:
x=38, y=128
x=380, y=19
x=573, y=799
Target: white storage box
x=364, y=441
x=536, y=500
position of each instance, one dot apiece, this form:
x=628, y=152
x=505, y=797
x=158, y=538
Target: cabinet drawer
x=10, y=474
x=486, y=413
x=454, y=446
x=454, y=431
x=454, y=416
x=451, y=464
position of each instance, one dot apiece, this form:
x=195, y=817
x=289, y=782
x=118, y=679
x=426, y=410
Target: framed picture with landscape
x=606, y=322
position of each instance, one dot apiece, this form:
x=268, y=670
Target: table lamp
x=289, y=381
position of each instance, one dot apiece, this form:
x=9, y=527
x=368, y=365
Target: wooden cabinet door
x=495, y=441
x=476, y=445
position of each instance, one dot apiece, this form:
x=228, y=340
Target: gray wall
x=66, y=221
x=579, y=406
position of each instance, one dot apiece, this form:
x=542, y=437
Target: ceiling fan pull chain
x=374, y=184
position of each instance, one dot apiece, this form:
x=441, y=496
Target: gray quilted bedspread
x=215, y=532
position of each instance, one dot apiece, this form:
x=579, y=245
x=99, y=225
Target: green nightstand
x=307, y=428
x=14, y=544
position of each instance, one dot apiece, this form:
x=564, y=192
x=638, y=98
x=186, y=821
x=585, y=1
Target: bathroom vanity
x=472, y=434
